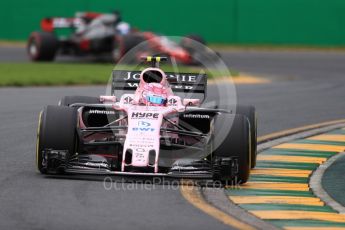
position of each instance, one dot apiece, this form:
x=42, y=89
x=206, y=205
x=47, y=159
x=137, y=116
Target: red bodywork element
x=179, y=54
x=47, y=25
x=84, y=45
x=91, y=15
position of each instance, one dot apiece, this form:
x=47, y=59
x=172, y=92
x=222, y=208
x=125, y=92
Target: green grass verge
x=35, y=74
x=48, y=74
x=233, y=46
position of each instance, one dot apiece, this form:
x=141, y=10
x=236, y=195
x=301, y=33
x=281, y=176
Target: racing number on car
x=139, y=154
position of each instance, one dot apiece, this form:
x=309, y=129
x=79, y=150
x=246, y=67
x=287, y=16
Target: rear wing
x=49, y=24
x=186, y=85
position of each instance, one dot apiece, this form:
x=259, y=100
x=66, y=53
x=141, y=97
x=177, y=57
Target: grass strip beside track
x=48, y=74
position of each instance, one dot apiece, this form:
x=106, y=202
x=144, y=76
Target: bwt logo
x=145, y=115
x=144, y=129
x=143, y=124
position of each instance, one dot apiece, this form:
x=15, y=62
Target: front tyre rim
x=33, y=49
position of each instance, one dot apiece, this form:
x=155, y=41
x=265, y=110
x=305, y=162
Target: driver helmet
x=123, y=28
x=155, y=94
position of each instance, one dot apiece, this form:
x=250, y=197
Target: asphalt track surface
x=306, y=88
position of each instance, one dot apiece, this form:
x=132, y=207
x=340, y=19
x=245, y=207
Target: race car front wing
x=56, y=162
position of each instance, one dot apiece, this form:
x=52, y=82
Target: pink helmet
x=154, y=89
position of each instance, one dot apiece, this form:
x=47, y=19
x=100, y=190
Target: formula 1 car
x=98, y=34
x=149, y=131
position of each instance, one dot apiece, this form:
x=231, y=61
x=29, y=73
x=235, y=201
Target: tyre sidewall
x=57, y=130
x=46, y=45
x=250, y=113
x=236, y=144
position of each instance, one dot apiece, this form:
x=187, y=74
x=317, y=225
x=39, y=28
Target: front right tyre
x=56, y=130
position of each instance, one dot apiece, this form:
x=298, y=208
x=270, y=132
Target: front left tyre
x=232, y=149
x=57, y=131
x=250, y=113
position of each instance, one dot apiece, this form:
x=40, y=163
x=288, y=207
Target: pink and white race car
x=148, y=130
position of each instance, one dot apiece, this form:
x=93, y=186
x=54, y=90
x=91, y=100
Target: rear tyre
x=69, y=100
x=197, y=52
x=231, y=143
x=249, y=112
x=42, y=46
x=57, y=131
x=194, y=37
x=124, y=44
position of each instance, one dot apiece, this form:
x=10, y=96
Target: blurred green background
x=277, y=22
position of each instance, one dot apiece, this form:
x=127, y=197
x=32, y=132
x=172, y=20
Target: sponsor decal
x=190, y=78
x=128, y=100
x=184, y=87
x=200, y=116
x=140, y=115
x=132, y=76
x=139, y=156
x=133, y=85
x=183, y=78
x=143, y=129
x=96, y=111
x=172, y=102
x=140, y=145
x=140, y=139
x=144, y=124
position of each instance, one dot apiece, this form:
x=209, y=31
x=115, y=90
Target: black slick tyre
x=57, y=131
x=42, y=46
x=232, y=143
x=250, y=113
